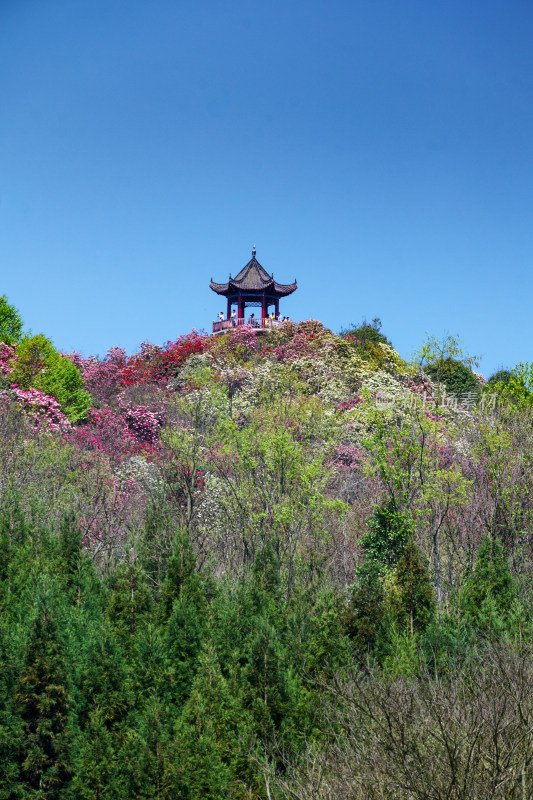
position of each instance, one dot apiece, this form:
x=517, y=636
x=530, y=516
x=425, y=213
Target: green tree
x=9, y=723
x=213, y=736
x=456, y=377
x=365, y=610
x=447, y=363
x=412, y=599
x=43, y=703
x=366, y=332
x=129, y=604
x=39, y=365
x=183, y=639
x=10, y=322
x=182, y=580
x=501, y=376
x=385, y=540
x=489, y=591
x=104, y=681
x=97, y=774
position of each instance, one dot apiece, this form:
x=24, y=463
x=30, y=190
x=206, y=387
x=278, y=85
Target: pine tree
x=267, y=686
x=129, y=602
x=105, y=683
x=183, y=639
x=73, y=565
x=10, y=725
x=489, y=591
x=42, y=699
x=182, y=580
x=365, y=610
x=413, y=600
x=184, y=608
x=326, y=647
x=213, y=737
x=98, y=770
x=13, y=537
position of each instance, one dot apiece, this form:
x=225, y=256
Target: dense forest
x=270, y=565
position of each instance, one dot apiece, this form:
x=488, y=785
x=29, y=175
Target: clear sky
x=381, y=152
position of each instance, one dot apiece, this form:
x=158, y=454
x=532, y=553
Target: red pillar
x=277, y=307
x=240, y=312
x=228, y=312
x=263, y=311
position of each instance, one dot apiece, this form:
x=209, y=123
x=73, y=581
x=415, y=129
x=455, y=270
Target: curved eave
x=219, y=288
x=283, y=289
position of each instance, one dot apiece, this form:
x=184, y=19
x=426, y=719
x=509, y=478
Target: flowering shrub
x=143, y=423
x=159, y=364
x=293, y=342
x=43, y=411
x=241, y=342
x=7, y=355
x=420, y=386
x=103, y=378
x=105, y=431
x=347, y=456
x=347, y=405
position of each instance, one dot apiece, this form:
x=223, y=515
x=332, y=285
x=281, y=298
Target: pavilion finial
x=253, y=251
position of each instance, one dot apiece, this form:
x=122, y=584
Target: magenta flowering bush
x=107, y=432
x=43, y=411
x=421, y=387
x=347, y=405
x=158, y=365
x=103, y=378
x=292, y=342
x=347, y=456
x=241, y=342
x=142, y=422
x=7, y=356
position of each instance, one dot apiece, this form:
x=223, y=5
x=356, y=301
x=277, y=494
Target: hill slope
x=203, y=545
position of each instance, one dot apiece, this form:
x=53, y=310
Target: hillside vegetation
x=277, y=565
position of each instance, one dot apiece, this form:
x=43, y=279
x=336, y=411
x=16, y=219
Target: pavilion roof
x=253, y=278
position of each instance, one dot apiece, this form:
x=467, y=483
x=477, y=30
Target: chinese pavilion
x=253, y=286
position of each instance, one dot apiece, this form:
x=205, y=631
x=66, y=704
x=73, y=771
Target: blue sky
x=380, y=152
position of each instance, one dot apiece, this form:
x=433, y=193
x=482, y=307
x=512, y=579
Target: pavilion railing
x=222, y=325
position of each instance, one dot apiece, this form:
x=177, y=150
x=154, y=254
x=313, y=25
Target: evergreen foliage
x=489, y=591
x=457, y=377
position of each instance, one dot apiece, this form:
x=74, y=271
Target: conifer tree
x=74, y=566
x=97, y=770
x=365, y=610
x=184, y=607
x=267, y=685
x=213, y=737
x=182, y=580
x=129, y=602
x=489, y=590
x=183, y=639
x=42, y=699
x=10, y=724
x=104, y=681
x=13, y=536
x=413, y=599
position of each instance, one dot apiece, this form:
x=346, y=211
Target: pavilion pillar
x=240, y=312
x=277, y=307
x=263, y=310
x=228, y=312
